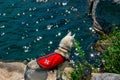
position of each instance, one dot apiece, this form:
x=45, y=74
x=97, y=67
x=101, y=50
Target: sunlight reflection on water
x=31, y=28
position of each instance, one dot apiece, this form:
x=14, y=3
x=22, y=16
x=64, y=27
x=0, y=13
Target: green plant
x=82, y=69
x=77, y=73
x=111, y=54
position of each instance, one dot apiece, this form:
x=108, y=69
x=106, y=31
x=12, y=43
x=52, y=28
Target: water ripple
x=30, y=28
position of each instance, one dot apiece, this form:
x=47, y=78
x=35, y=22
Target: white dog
x=39, y=69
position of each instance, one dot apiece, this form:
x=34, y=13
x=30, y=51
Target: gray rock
x=105, y=13
x=11, y=71
x=117, y=1
x=106, y=76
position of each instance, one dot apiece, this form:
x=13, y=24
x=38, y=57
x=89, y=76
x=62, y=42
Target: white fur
x=65, y=46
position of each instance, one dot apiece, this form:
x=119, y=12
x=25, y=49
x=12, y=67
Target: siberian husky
x=34, y=71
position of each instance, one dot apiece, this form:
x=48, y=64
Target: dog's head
x=67, y=42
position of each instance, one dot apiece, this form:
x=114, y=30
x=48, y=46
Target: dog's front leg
x=58, y=75
x=60, y=70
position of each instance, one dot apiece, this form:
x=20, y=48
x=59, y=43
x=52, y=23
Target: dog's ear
x=73, y=35
x=69, y=34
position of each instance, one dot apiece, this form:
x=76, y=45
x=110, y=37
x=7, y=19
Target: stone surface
x=104, y=13
x=11, y=71
x=117, y=1
x=15, y=71
x=105, y=76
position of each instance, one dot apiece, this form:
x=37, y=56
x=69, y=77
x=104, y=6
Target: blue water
x=108, y=13
x=29, y=29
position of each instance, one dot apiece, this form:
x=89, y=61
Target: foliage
x=77, y=73
x=83, y=69
x=111, y=54
x=111, y=57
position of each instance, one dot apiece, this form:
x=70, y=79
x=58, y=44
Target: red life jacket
x=50, y=61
